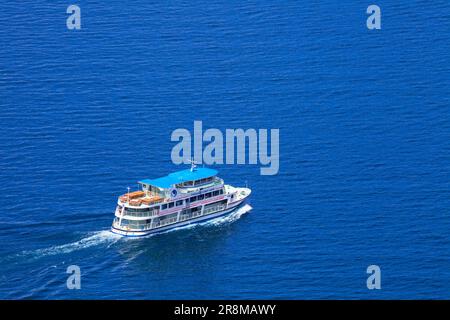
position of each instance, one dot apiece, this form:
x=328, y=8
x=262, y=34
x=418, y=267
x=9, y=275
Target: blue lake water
x=364, y=123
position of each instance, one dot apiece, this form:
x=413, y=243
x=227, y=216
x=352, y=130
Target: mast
x=193, y=164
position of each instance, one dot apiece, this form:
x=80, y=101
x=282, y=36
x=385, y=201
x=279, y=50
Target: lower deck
x=169, y=226
x=160, y=221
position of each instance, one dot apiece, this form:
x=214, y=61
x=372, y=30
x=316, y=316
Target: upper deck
x=180, y=178
x=172, y=186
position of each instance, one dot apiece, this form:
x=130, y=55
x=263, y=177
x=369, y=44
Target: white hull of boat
x=128, y=233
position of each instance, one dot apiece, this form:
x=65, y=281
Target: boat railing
x=189, y=189
x=144, y=214
x=153, y=225
x=214, y=209
x=163, y=223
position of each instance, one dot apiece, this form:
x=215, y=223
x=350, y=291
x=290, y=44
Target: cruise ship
x=178, y=199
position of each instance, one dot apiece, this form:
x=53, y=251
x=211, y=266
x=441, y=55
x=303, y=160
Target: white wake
x=106, y=237
x=97, y=238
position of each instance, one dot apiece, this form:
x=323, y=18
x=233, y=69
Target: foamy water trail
x=109, y=238
x=97, y=238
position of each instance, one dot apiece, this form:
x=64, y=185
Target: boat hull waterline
x=197, y=220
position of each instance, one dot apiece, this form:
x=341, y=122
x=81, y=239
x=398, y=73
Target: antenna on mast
x=193, y=164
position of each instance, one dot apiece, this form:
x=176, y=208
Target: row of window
x=197, y=182
x=138, y=212
x=135, y=223
x=205, y=196
x=149, y=223
x=192, y=199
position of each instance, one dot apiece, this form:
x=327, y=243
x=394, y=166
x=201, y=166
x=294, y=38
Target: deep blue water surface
x=364, y=123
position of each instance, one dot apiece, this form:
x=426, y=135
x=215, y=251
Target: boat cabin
x=184, y=181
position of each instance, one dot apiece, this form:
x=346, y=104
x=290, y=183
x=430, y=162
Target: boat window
x=221, y=191
x=179, y=202
x=171, y=205
x=216, y=193
x=193, y=199
x=208, y=195
x=136, y=209
x=164, y=206
x=167, y=217
x=201, y=196
x=198, y=182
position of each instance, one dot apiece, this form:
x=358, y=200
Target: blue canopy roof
x=180, y=177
